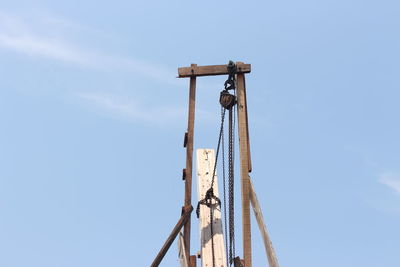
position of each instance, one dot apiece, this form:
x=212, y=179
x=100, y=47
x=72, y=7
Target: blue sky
x=92, y=120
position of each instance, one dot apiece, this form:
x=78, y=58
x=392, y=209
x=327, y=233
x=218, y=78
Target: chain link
x=231, y=199
x=224, y=188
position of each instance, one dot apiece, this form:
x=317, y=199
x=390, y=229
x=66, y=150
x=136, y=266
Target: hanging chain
x=231, y=189
x=228, y=101
x=207, y=200
x=224, y=187
x=218, y=146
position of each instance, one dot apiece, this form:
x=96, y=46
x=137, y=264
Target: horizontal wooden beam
x=211, y=70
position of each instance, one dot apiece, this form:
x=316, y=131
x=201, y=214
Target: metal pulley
x=227, y=100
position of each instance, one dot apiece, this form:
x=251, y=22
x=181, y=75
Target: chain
x=231, y=190
x=224, y=187
x=207, y=200
x=233, y=162
x=212, y=234
x=218, y=146
x=229, y=101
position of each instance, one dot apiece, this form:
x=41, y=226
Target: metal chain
x=212, y=234
x=224, y=187
x=229, y=102
x=233, y=166
x=231, y=162
x=218, y=146
x=231, y=190
x=210, y=192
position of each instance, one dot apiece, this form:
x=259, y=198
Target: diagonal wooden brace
x=269, y=249
x=186, y=212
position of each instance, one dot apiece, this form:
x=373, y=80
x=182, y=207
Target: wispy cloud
x=17, y=35
x=33, y=45
x=129, y=109
x=33, y=39
x=391, y=179
x=136, y=111
x=54, y=39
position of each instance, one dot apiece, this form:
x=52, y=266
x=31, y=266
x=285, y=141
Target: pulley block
x=227, y=100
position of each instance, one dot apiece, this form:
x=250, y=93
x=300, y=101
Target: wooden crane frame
x=247, y=189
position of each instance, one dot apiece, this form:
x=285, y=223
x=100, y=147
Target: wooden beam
x=210, y=70
x=205, y=167
x=184, y=218
x=244, y=167
x=193, y=261
x=269, y=249
x=247, y=125
x=183, y=259
x=189, y=157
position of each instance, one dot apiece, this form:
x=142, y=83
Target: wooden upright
x=189, y=159
x=244, y=166
x=205, y=165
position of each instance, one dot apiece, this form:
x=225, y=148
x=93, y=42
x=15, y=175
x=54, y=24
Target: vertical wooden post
x=247, y=125
x=205, y=165
x=193, y=261
x=244, y=168
x=189, y=158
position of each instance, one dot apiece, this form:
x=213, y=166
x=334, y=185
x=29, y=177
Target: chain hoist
x=227, y=101
x=230, y=100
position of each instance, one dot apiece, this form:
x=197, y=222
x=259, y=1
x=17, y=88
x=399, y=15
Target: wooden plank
x=247, y=125
x=269, y=249
x=184, y=218
x=244, y=168
x=210, y=70
x=193, y=261
x=205, y=167
x=183, y=259
x=189, y=157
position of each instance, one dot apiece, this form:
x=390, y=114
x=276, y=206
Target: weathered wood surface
x=247, y=125
x=269, y=249
x=205, y=167
x=193, y=261
x=244, y=167
x=210, y=70
x=183, y=259
x=189, y=157
x=184, y=218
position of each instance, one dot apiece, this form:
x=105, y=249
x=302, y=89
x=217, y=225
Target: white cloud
x=18, y=36
x=54, y=39
x=128, y=108
x=41, y=47
x=391, y=179
x=40, y=40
